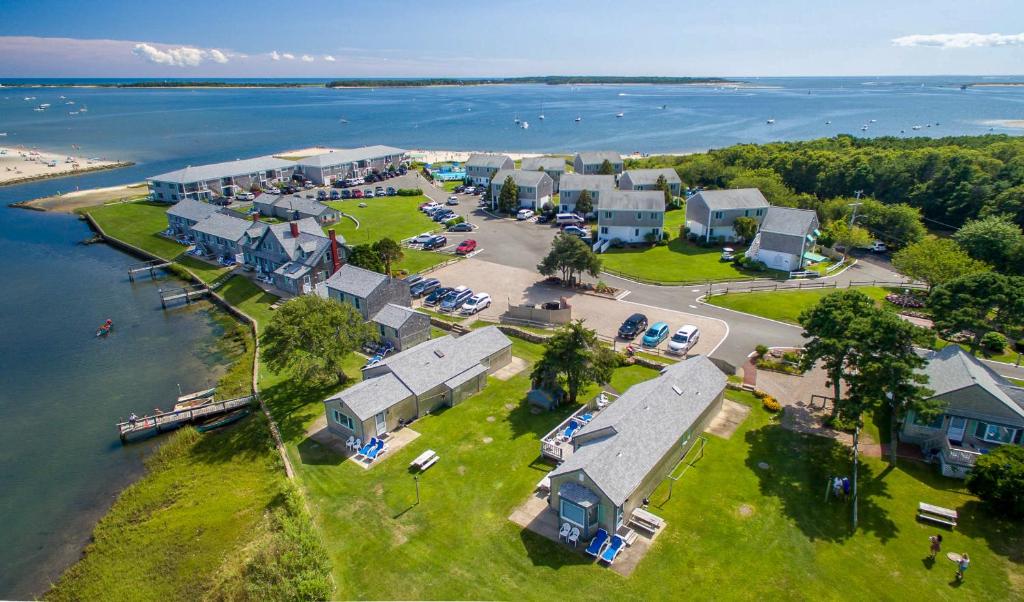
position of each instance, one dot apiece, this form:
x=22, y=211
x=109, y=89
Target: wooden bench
x=425, y=460
x=646, y=521
x=937, y=514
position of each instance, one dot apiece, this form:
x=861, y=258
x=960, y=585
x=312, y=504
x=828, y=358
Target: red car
x=357, y=194
x=465, y=247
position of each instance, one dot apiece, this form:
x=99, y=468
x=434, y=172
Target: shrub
x=761, y=350
x=455, y=220
x=410, y=192
x=771, y=404
x=994, y=342
x=602, y=288
x=758, y=393
x=998, y=479
x=791, y=357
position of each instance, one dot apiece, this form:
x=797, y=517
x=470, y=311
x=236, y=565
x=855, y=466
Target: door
x=957, y=425
x=382, y=424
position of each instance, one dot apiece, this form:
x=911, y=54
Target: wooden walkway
x=188, y=293
x=150, y=266
x=165, y=421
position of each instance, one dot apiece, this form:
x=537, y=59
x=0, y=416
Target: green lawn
x=138, y=224
x=396, y=217
x=784, y=306
x=678, y=261
x=251, y=299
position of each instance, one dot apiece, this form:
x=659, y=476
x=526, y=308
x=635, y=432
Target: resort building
x=326, y=168
x=631, y=216
x=221, y=235
x=366, y=290
x=481, y=167
x=628, y=448
x=295, y=256
x=294, y=207
x=982, y=411
x=401, y=327
x=220, y=180
x=647, y=179
x=553, y=166
x=535, y=187
x=185, y=214
x=400, y=388
x=591, y=162
x=573, y=184
x=711, y=214
x=785, y=238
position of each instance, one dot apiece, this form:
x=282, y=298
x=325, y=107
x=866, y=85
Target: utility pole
x=856, y=439
x=853, y=217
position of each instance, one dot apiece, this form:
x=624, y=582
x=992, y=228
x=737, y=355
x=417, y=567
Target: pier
x=146, y=266
x=166, y=421
x=188, y=293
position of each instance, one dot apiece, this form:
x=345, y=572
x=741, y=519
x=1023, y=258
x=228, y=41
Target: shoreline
x=23, y=164
x=70, y=202
x=66, y=174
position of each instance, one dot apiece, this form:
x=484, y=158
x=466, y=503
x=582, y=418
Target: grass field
x=678, y=261
x=784, y=306
x=251, y=299
x=138, y=224
x=396, y=217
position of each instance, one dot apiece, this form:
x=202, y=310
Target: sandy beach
x=22, y=165
x=1005, y=123
x=68, y=202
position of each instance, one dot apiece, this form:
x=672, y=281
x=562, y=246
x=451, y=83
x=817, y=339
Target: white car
x=684, y=339
x=452, y=200
x=429, y=207
x=423, y=238
x=476, y=303
x=879, y=247
x=524, y=214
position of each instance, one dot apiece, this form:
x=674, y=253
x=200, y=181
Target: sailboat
x=620, y=114
x=578, y=119
x=541, y=116
x=525, y=125
x=770, y=122
x=517, y=119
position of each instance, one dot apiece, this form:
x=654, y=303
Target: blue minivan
x=456, y=298
x=657, y=333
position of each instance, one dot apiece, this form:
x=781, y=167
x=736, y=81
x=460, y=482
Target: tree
x=663, y=186
x=389, y=251
x=976, y=303
x=745, y=228
x=310, y=337
x=574, y=355
x=898, y=224
x=935, y=261
x=584, y=204
x=998, y=479
x=364, y=256
x=606, y=168
x=847, y=236
x=768, y=182
x=991, y=239
x=571, y=257
x=508, y=198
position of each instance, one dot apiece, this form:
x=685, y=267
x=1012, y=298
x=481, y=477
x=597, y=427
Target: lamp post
x=416, y=479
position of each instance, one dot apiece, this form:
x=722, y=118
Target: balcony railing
x=958, y=455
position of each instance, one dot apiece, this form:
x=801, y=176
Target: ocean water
x=61, y=464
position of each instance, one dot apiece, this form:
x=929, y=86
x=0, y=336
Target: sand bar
x=19, y=165
x=1005, y=123
x=68, y=202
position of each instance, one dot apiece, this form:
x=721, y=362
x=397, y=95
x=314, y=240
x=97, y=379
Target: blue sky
x=321, y=38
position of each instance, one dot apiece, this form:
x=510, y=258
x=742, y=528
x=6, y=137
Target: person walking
x=936, y=545
x=961, y=567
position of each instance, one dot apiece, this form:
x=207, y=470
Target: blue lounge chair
x=587, y=417
x=571, y=429
x=366, y=448
x=376, y=451
x=597, y=544
x=613, y=549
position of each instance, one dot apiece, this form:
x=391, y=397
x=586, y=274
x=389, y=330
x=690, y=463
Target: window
x=604, y=229
x=639, y=215
x=636, y=232
x=344, y=420
x=995, y=433
x=760, y=212
x=719, y=215
x=607, y=214
x=935, y=423
x=573, y=514
x=355, y=301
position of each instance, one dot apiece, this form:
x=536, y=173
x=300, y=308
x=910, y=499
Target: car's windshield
x=653, y=331
x=679, y=337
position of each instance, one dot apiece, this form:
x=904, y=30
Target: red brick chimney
x=256, y=217
x=335, y=257
x=295, y=229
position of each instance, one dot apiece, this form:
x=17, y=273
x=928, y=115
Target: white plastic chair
x=351, y=440
x=563, y=533
x=574, y=536
x=357, y=445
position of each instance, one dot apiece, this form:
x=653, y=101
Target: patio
x=557, y=444
x=394, y=441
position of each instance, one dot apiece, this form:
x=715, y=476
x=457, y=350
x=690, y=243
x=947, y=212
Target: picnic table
x=643, y=519
x=937, y=514
x=425, y=460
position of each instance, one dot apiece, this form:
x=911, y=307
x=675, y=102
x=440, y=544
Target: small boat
x=829, y=122
x=620, y=114
x=38, y=109
x=770, y=122
x=222, y=421
x=916, y=127
x=663, y=107
x=541, y=116
x=874, y=121
x=525, y=125
x=517, y=119
x=578, y=119
x=45, y=105
x=197, y=395
x=105, y=329
x=62, y=97
x=83, y=109
x=70, y=102
x=864, y=128
x=3, y=134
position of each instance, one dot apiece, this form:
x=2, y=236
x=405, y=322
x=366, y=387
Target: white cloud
x=274, y=55
x=289, y=56
x=218, y=57
x=307, y=58
x=960, y=40
x=184, y=56
x=329, y=58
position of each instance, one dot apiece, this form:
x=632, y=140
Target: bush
x=994, y=342
x=771, y=404
x=761, y=350
x=998, y=479
x=758, y=393
x=455, y=220
x=410, y=192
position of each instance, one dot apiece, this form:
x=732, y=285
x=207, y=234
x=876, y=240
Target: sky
x=485, y=38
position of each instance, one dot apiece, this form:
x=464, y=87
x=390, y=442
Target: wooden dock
x=188, y=293
x=166, y=421
x=150, y=266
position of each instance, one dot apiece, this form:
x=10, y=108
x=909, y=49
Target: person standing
x=936, y=545
x=961, y=567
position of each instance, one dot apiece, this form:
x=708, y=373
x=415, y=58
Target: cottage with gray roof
x=184, y=214
x=553, y=166
x=219, y=180
x=628, y=448
x=785, y=238
x=296, y=256
x=221, y=235
x=982, y=410
x=402, y=327
x=481, y=167
x=535, y=187
x=711, y=214
x=573, y=184
x=631, y=216
x=647, y=179
x=437, y=373
x=295, y=206
x=590, y=162
x=366, y=290
x=326, y=168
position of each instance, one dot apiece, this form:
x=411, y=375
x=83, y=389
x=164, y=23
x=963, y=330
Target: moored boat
x=197, y=395
x=105, y=329
x=222, y=421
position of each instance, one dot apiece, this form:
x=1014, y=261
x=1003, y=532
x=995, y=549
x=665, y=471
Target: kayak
x=221, y=421
x=197, y=395
x=105, y=329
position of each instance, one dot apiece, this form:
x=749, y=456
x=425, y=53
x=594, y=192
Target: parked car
x=576, y=231
x=412, y=279
x=436, y=242
x=245, y=196
x=379, y=191
x=461, y=227
x=452, y=200
x=524, y=214
x=466, y=247
x=321, y=195
x=428, y=207
x=437, y=296
x=346, y=194
x=468, y=190
x=335, y=195
x=544, y=218
x=728, y=254
x=442, y=216
x=879, y=247
x=309, y=185
x=459, y=189
x=633, y=326
x=657, y=333
x=568, y=219
x=684, y=339
x=367, y=193
x=455, y=299
x=478, y=302
x=422, y=238
x=392, y=191
x=357, y=194
x=424, y=287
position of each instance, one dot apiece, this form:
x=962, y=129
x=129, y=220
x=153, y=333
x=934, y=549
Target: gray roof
x=356, y=281
x=649, y=177
x=548, y=163
x=437, y=361
x=311, y=238
x=299, y=203
x=598, y=157
x=734, y=198
x=487, y=160
x=576, y=181
x=350, y=155
x=633, y=200
x=228, y=169
x=789, y=221
x=225, y=226
x=521, y=177
x=394, y=316
x=643, y=426
x=464, y=377
x=192, y=210
x=953, y=369
x=373, y=395
x=578, y=494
